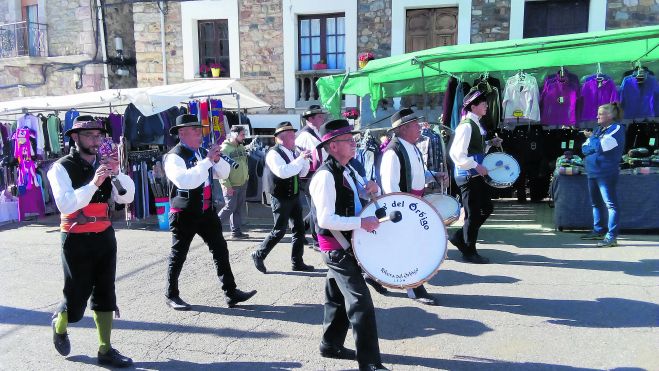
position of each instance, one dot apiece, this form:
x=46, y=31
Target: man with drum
x=285, y=166
x=467, y=152
x=335, y=198
x=189, y=168
x=402, y=170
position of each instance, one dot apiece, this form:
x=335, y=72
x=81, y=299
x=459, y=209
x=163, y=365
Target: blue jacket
x=603, y=151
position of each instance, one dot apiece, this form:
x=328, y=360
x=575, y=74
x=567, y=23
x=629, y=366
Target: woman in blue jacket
x=603, y=149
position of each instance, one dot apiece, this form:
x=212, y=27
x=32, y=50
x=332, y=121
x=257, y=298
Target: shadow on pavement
x=174, y=364
x=602, y=313
x=411, y=322
x=299, y=313
x=642, y=268
x=19, y=316
x=475, y=364
x=448, y=277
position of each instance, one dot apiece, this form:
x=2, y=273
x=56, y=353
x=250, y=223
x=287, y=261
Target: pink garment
x=31, y=201
x=328, y=243
x=27, y=170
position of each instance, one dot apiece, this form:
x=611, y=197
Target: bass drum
x=405, y=254
x=447, y=206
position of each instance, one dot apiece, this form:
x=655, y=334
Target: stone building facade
x=74, y=50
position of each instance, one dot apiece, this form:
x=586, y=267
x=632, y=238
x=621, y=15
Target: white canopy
x=148, y=100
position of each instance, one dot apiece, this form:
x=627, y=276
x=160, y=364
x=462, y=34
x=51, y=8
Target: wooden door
x=430, y=28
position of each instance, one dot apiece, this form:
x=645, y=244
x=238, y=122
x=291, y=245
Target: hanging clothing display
x=27, y=176
x=520, y=99
x=430, y=147
x=597, y=89
x=558, y=100
x=637, y=94
x=491, y=86
x=54, y=124
x=116, y=126
x=461, y=91
x=449, y=99
x=69, y=116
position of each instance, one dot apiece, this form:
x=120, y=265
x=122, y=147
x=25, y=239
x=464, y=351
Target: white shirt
x=323, y=193
x=309, y=142
x=390, y=169
x=458, y=151
x=281, y=169
x=521, y=93
x=69, y=200
x=184, y=178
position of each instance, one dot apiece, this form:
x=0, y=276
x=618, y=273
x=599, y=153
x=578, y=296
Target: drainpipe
x=101, y=31
x=162, y=41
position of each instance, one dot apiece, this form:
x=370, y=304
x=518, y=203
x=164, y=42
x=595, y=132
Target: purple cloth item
x=638, y=98
x=31, y=201
x=595, y=93
x=116, y=124
x=558, y=100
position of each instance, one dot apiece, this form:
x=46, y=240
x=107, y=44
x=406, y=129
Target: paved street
x=549, y=302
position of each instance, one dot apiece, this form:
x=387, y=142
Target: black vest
x=187, y=199
x=318, y=152
x=345, y=197
x=276, y=186
x=82, y=172
x=476, y=142
x=405, y=182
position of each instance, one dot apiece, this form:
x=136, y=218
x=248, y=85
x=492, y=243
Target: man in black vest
x=402, y=170
x=467, y=152
x=307, y=140
x=188, y=168
x=82, y=187
x=335, y=198
x=284, y=169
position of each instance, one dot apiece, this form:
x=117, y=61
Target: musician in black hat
x=284, y=167
x=402, y=170
x=189, y=169
x=82, y=187
x=308, y=140
x=467, y=152
x=335, y=193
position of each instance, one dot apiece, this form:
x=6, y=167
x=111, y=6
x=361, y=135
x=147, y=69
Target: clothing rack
x=143, y=155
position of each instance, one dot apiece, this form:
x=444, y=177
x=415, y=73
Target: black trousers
x=284, y=210
x=90, y=264
x=348, y=302
x=309, y=218
x=184, y=226
x=478, y=207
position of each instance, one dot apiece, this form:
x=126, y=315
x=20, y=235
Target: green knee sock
x=104, y=327
x=61, y=323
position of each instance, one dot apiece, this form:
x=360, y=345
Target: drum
x=502, y=169
x=447, y=206
x=404, y=254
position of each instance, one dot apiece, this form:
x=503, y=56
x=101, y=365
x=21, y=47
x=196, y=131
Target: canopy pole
x=423, y=82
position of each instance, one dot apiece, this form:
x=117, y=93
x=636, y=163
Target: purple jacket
x=638, y=99
x=595, y=94
x=558, y=100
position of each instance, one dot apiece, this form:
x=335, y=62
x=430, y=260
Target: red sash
x=94, y=219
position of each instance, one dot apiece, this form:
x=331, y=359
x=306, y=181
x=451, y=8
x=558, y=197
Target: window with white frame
x=321, y=39
x=214, y=44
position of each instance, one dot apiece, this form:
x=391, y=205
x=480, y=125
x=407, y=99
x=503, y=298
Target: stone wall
x=148, y=48
x=262, y=50
x=119, y=23
x=490, y=20
x=374, y=27
x=631, y=13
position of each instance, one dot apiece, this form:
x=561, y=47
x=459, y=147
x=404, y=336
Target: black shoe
x=459, y=244
x=258, y=262
x=114, y=359
x=61, y=341
x=238, y=297
x=427, y=300
x=301, y=267
x=475, y=259
x=373, y=367
x=177, y=303
x=239, y=236
x=376, y=285
x=334, y=351
x=593, y=236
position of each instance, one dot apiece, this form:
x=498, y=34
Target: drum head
x=403, y=254
x=502, y=168
x=447, y=206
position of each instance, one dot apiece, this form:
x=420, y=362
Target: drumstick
x=394, y=216
x=379, y=211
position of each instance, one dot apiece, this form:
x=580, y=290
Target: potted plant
x=351, y=113
x=320, y=65
x=203, y=70
x=364, y=58
x=215, y=69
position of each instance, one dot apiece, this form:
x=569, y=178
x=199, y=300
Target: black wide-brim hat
x=474, y=97
x=284, y=126
x=85, y=122
x=334, y=128
x=402, y=117
x=184, y=121
x=314, y=109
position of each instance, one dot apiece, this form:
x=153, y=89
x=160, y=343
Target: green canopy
x=427, y=71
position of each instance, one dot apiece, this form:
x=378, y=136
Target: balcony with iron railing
x=23, y=39
x=306, y=92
